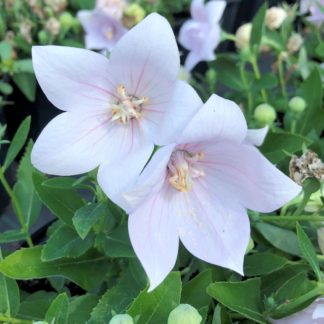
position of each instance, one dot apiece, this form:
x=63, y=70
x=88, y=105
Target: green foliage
x=58, y=310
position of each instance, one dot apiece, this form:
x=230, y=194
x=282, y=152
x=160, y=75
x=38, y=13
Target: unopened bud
x=297, y=104
x=43, y=37
x=295, y=41
x=57, y=5
x=53, y=26
x=25, y=30
x=184, y=313
x=274, y=18
x=265, y=114
x=211, y=76
x=133, y=15
x=66, y=20
x=243, y=35
x=121, y=319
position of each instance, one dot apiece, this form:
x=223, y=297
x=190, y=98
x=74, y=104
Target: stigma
x=127, y=107
x=183, y=169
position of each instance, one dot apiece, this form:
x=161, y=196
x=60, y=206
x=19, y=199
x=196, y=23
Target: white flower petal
x=256, y=136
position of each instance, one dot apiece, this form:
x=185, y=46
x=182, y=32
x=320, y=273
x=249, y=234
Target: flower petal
x=146, y=59
x=215, y=231
x=256, y=136
x=72, y=144
x=218, y=119
x=215, y=10
x=150, y=181
x=198, y=10
x=73, y=78
x=115, y=177
x=192, y=60
x=164, y=122
x=154, y=237
x=242, y=172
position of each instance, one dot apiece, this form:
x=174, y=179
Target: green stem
x=292, y=218
x=16, y=207
x=282, y=76
x=6, y=319
x=257, y=74
x=246, y=85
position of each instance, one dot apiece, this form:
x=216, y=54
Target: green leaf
x=24, y=189
x=313, y=116
x=280, y=238
x=17, y=142
x=118, y=298
x=9, y=296
x=280, y=145
x=26, y=82
x=58, y=311
x=263, y=263
x=5, y=88
x=81, y=307
x=87, y=216
x=242, y=297
x=62, y=203
x=87, y=271
x=267, y=81
x=65, y=242
x=307, y=250
x=25, y=65
x=12, y=236
x=59, y=182
x=221, y=316
x=5, y=50
x=194, y=291
x=257, y=28
x=117, y=243
x=155, y=307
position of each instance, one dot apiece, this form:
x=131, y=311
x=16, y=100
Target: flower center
x=183, y=169
x=127, y=107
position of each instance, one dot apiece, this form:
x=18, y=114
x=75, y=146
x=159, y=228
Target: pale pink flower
x=201, y=34
x=198, y=191
x=313, y=314
x=114, y=8
x=316, y=9
x=116, y=109
x=102, y=30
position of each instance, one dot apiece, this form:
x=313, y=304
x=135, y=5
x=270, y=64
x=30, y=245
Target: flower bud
x=53, y=26
x=211, y=76
x=274, y=18
x=295, y=41
x=297, y=104
x=265, y=114
x=57, y=5
x=66, y=20
x=133, y=15
x=243, y=35
x=184, y=313
x=43, y=37
x=25, y=30
x=121, y=319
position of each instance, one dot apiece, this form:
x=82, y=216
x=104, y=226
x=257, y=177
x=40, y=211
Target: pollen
x=183, y=168
x=127, y=107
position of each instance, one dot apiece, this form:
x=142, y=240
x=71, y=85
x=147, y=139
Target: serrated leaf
x=17, y=142
x=263, y=263
x=26, y=82
x=58, y=311
x=118, y=298
x=242, y=297
x=155, y=307
x=88, y=215
x=65, y=243
x=59, y=182
x=24, y=189
x=81, y=307
x=62, y=203
x=307, y=250
x=87, y=271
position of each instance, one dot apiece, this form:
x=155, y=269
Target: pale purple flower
x=198, y=191
x=116, y=109
x=313, y=314
x=201, y=34
x=102, y=30
x=114, y=8
x=316, y=9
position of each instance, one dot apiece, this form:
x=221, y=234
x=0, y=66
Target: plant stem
x=6, y=319
x=16, y=206
x=292, y=218
x=249, y=94
x=282, y=76
x=257, y=74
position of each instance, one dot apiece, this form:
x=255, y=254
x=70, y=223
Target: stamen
x=182, y=169
x=127, y=107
